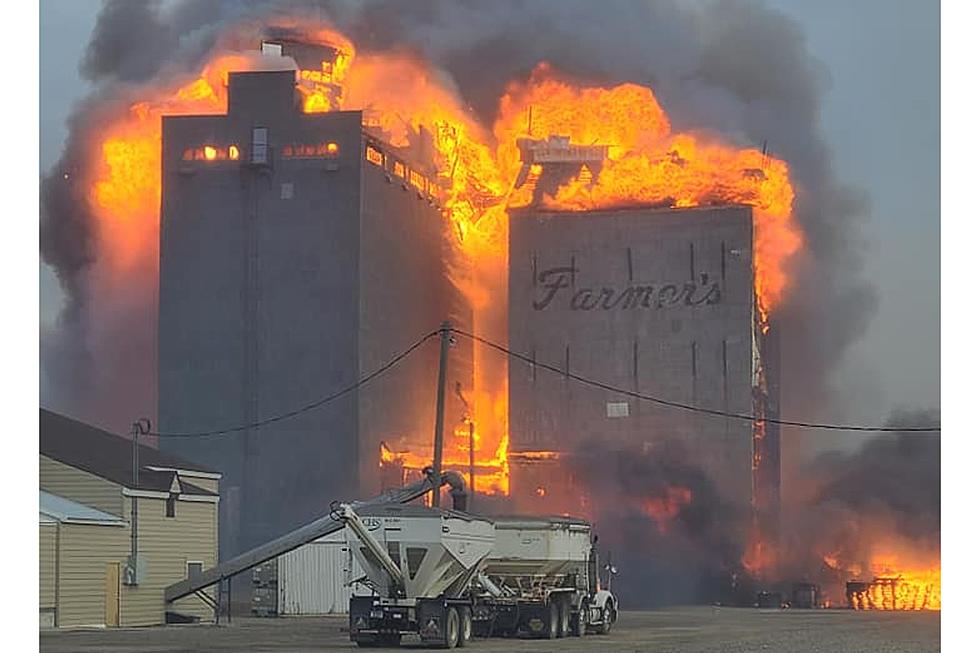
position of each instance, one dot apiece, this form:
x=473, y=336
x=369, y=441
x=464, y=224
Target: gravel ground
x=681, y=630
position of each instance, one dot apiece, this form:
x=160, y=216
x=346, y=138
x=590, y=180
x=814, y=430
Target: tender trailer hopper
x=541, y=579
x=420, y=562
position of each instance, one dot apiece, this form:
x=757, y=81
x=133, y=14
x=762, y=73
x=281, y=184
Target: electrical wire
x=691, y=407
x=311, y=406
x=566, y=373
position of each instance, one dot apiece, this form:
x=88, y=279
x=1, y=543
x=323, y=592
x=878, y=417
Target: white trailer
x=542, y=579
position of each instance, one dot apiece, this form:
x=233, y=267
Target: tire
x=391, y=640
x=451, y=634
x=367, y=641
x=465, y=626
x=607, y=618
x=551, y=631
x=564, y=608
x=580, y=623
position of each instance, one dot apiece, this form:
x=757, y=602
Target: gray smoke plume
x=851, y=507
x=737, y=68
x=686, y=555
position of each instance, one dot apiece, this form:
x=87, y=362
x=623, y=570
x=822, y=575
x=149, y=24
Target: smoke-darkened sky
x=880, y=115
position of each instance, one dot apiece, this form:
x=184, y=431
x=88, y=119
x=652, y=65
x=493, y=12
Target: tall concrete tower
x=655, y=301
x=298, y=253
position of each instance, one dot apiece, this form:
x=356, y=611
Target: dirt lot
x=699, y=629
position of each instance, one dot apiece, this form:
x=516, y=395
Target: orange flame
x=408, y=104
x=648, y=163
x=663, y=509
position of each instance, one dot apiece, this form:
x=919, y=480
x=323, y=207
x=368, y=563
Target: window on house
x=194, y=569
x=172, y=505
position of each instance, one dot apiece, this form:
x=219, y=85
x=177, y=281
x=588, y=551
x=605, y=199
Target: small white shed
x=316, y=578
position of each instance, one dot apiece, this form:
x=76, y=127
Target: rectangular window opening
x=375, y=156
x=260, y=145
x=172, y=505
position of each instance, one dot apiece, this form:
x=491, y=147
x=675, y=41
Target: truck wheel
x=564, y=608
x=553, y=617
x=393, y=640
x=580, y=623
x=367, y=641
x=465, y=625
x=607, y=618
x=451, y=634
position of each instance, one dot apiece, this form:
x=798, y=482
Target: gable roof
x=59, y=509
x=110, y=457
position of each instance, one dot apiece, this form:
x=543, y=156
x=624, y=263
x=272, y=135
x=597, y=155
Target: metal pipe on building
x=132, y=499
x=140, y=427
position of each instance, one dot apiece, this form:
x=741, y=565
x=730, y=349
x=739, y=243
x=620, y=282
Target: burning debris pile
x=869, y=522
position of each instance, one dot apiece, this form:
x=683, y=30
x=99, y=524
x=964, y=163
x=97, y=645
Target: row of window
x=306, y=151
x=212, y=153
x=398, y=169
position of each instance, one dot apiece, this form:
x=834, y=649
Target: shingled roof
x=109, y=456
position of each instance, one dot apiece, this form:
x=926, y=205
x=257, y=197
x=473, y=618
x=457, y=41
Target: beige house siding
x=209, y=484
x=80, y=486
x=85, y=550
x=47, y=554
x=167, y=544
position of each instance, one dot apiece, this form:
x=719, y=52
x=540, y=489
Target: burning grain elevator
x=298, y=252
x=656, y=301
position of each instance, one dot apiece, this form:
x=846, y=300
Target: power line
x=691, y=407
x=308, y=407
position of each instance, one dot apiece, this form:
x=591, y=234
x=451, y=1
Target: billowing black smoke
x=738, y=68
x=896, y=474
x=665, y=524
x=855, y=508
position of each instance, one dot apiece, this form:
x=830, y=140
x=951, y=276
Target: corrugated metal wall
x=313, y=579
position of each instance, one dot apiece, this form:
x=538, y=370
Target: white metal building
x=317, y=578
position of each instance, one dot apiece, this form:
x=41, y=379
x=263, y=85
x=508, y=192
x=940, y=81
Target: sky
x=881, y=119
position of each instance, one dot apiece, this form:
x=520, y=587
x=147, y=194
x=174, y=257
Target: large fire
x=401, y=97
x=890, y=583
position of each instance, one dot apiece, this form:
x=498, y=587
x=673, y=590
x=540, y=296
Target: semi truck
x=448, y=576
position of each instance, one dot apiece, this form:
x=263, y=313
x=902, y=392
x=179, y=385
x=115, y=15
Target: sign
x=555, y=289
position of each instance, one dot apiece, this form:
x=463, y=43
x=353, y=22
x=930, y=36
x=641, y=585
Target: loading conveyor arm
x=330, y=523
x=377, y=554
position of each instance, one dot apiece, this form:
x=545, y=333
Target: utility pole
x=445, y=333
x=140, y=427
